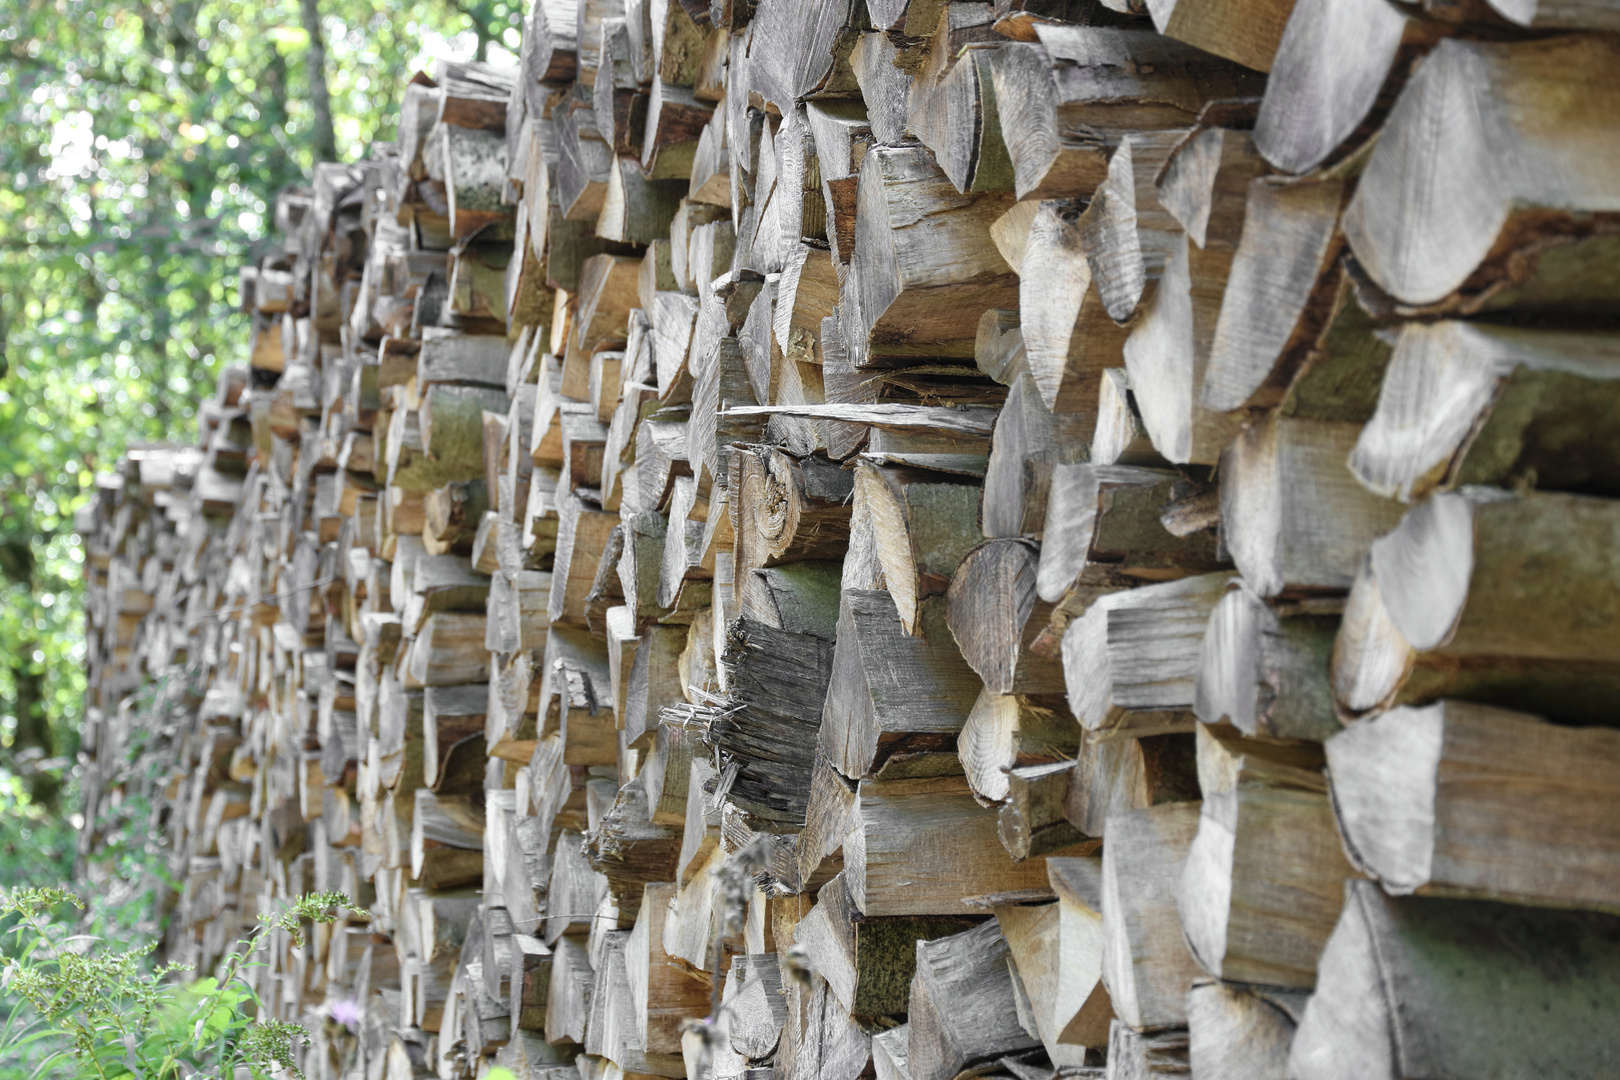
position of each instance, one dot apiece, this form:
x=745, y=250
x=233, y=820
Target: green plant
x=106, y=1012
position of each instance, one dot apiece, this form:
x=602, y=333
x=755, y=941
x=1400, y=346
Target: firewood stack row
x=918, y=540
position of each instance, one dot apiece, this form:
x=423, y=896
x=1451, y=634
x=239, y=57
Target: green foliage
x=142, y=145
x=101, y=1010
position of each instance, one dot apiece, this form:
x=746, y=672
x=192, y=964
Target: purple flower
x=345, y=1011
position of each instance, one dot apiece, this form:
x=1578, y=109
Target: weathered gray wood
x=1265, y=670
x=1146, y=964
x=1292, y=514
x=1470, y=404
x=1564, y=169
x=1237, y=1033
x=964, y=1008
x=922, y=847
x=1457, y=798
x=1424, y=987
x=1261, y=888
x=1486, y=596
x=893, y=697
x=868, y=962
x=1131, y=661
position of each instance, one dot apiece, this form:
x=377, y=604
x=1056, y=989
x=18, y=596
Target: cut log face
x=964, y=1005
x=1486, y=596
x=1058, y=952
x=1465, y=404
x=1333, y=64
x=1106, y=519
x=924, y=268
x=1126, y=232
x=893, y=696
x=1069, y=338
x=1386, y=953
x=1262, y=886
x=1288, y=246
x=922, y=847
x=1292, y=515
x=1132, y=660
x=1265, y=671
x=1236, y=1033
x=923, y=523
x=1472, y=212
x=1167, y=355
x=1005, y=731
x=1115, y=776
x=1412, y=804
x=1030, y=442
x=1146, y=964
x=995, y=616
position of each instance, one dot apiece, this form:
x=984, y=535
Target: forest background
x=142, y=144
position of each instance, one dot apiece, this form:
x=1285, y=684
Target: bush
x=84, y=1006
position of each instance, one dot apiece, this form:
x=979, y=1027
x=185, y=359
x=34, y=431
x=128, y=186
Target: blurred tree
x=142, y=144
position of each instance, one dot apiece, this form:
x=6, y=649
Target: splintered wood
x=913, y=539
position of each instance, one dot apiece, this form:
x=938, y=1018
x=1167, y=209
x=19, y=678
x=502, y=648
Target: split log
x=868, y=962
x=1054, y=949
x=1506, y=237
x=772, y=737
x=995, y=615
x=964, y=1005
x=663, y=994
x=1283, y=274
x=789, y=510
x=923, y=268
x=758, y=1009
x=451, y=715
x=1029, y=443
x=1387, y=1005
x=1421, y=796
x=1265, y=670
x=1292, y=515
x=1104, y=524
x=924, y=846
x=923, y=523
x=1121, y=438
x=1248, y=33
x=1486, y=596
x=447, y=840
x=1005, y=731
x=1069, y=338
x=449, y=650
x=1132, y=660
x=1262, y=886
x=1240, y=1033
x=1146, y=964
x=1464, y=404
x=1167, y=355
x=896, y=701
x=568, y=1004
x=797, y=52
x=1115, y=775
x=952, y=104
x=1082, y=80
x=828, y=1043
x=1337, y=70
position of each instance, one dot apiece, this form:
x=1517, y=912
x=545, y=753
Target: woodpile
x=915, y=539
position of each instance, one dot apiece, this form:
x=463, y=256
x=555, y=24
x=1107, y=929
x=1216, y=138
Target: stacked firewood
x=917, y=539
